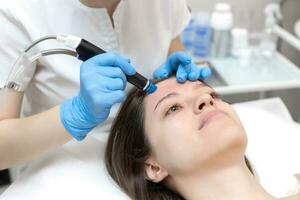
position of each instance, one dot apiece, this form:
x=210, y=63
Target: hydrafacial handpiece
x=86, y=50
x=24, y=68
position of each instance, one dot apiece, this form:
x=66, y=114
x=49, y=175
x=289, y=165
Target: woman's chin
x=226, y=135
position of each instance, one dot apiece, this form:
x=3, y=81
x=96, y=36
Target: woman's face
x=189, y=128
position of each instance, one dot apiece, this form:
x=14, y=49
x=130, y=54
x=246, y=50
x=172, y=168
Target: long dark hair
x=127, y=150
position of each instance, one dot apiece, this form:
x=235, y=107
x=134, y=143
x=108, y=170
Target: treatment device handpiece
x=87, y=50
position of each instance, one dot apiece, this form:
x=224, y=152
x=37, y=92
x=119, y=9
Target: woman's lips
x=208, y=117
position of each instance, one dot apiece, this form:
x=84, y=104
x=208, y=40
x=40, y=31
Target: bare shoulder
x=294, y=197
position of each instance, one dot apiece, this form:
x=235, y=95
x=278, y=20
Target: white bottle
x=221, y=23
x=239, y=40
x=269, y=40
x=240, y=48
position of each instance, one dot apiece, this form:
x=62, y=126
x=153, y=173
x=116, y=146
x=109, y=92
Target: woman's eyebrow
x=197, y=86
x=166, y=97
x=206, y=87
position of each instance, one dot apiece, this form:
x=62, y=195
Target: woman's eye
x=214, y=95
x=173, y=109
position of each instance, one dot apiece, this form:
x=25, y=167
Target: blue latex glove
x=102, y=84
x=185, y=69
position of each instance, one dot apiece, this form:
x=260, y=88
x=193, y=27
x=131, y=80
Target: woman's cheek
x=229, y=110
x=175, y=123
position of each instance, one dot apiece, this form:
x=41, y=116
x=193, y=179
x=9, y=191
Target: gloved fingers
x=112, y=72
x=205, y=73
x=181, y=74
x=172, y=64
x=161, y=72
x=178, y=58
x=116, y=84
x=194, y=73
x=114, y=60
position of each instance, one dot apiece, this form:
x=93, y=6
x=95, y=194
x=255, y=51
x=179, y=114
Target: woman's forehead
x=171, y=85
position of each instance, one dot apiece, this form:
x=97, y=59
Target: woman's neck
x=233, y=183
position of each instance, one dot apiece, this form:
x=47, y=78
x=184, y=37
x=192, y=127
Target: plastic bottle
x=187, y=36
x=240, y=46
x=221, y=23
x=268, y=45
x=202, y=35
x=239, y=40
x=268, y=40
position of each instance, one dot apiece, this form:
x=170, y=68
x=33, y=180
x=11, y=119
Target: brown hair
x=127, y=150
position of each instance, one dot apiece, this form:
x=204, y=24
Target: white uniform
x=143, y=30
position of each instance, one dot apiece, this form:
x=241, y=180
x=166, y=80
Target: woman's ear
x=154, y=172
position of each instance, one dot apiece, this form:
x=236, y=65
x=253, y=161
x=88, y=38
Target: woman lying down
x=182, y=142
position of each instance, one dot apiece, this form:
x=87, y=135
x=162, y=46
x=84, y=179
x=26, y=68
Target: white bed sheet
x=77, y=171
x=273, y=145
x=61, y=175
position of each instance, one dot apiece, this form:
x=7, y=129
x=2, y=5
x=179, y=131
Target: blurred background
x=248, y=16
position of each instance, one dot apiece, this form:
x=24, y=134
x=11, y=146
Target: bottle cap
x=223, y=7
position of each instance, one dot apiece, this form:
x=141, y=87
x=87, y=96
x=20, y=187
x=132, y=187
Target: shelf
x=229, y=77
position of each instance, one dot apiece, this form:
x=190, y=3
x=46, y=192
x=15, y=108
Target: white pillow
x=273, y=148
x=77, y=171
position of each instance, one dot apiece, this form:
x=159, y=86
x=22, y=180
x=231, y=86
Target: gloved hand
x=182, y=64
x=102, y=84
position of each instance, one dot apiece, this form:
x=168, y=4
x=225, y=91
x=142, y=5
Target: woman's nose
x=204, y=102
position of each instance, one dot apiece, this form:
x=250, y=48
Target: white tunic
x=142, y=31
